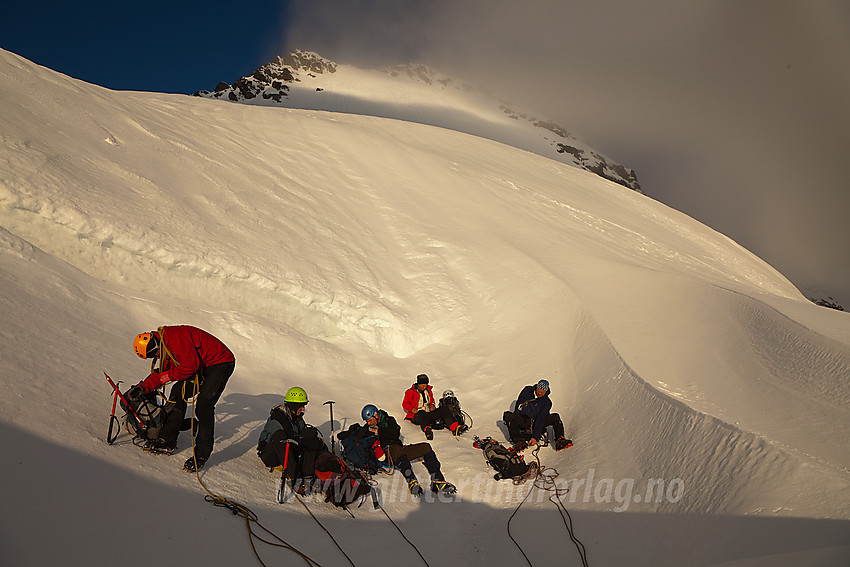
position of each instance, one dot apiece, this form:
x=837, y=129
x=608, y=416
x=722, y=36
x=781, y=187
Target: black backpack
x=450, y=401
x=145, y=417
x=357, y=448
x=507, y=463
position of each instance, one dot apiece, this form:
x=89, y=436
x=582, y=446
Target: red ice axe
x=282, y=491
x=110, y=439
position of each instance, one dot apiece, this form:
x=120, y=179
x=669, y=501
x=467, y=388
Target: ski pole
x=333, y=448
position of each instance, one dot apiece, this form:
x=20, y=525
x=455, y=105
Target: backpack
x=357, y=448
x=310, y=447
x=340, y=486
x=450, y=401
x=147, y=409
x=507, y=463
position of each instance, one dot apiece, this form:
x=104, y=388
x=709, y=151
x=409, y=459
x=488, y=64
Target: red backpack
x=339, y=484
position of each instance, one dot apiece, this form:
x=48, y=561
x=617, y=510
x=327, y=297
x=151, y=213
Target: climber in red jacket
x=420, y=407
x=183, y=353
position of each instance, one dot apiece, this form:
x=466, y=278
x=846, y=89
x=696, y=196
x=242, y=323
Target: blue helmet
x=543, y=385
x=368, y=411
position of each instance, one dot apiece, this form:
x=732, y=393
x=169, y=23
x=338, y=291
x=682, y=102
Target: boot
x=159, y=447
x=429, y=433
x=414, y=487
x=561, y=444
x=189, y=465
x=443, y=486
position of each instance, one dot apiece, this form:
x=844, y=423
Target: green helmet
x=296, y=394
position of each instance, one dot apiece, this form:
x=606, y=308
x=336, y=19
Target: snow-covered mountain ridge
x=307, y=80
x=346, y=254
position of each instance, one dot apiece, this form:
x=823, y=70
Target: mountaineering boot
x=461, y=429
x=429, y=433
x=189, y=465
x=159, y=447
x=414, y=487
x=443, y=486
x=520, y=445
x=561, y=444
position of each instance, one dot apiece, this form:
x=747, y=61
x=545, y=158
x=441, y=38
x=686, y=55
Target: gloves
x=379, y=451
x=151, y=383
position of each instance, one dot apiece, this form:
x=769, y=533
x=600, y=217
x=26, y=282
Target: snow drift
x=708, y=400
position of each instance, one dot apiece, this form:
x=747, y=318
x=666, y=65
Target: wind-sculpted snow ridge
x=647, y=433
x=762, y=371
x=414, y=93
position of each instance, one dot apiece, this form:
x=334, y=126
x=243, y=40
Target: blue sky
x=733, y=112
x=174, y=47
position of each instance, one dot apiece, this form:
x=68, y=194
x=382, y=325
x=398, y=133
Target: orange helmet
x=145, y=345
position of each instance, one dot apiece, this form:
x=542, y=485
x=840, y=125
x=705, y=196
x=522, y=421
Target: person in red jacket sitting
x=180, y=353
x=421, y=410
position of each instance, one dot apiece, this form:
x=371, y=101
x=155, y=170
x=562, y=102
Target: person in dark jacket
x=390, y=450
x=181, y=354
x=420, y=407
x=287, y=440
x=532, y=416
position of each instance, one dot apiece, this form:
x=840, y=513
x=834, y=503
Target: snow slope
x=348, y=253
x=414, y=93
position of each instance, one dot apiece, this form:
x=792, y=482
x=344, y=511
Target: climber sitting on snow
x=531, y=416
x=287, y=441
x=421, y=410
x=282, y=441
x=389, y=450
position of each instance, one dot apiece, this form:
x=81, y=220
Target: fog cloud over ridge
x=734, y=113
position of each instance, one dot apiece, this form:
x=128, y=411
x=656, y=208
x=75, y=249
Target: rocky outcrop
x=271, y=81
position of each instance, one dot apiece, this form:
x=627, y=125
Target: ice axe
x=331, y=402
x=281, y=493
x=110, y=439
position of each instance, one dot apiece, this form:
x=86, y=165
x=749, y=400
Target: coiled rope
x=251, y=517
x=544, y=479
x=246, y=513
